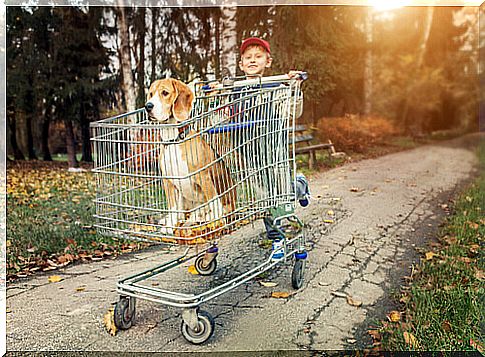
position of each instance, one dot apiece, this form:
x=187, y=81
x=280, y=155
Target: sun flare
x=384, y=5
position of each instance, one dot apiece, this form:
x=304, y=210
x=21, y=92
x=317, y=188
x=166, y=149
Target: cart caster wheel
x=298, y=274
x=124, y=314
x=201, y=269
x=204, y=330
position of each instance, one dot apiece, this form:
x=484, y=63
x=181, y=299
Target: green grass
x=444, y=307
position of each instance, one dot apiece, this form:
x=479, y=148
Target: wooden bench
x=303, y=135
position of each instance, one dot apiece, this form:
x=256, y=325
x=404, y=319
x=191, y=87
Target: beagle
x=197, y=185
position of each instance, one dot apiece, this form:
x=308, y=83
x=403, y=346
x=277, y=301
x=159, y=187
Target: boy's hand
x=293, y=74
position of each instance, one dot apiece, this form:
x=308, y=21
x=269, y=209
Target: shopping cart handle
x=303, y=76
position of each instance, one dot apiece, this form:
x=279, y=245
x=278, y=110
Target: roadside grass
x=443, y=308
x=49, y=219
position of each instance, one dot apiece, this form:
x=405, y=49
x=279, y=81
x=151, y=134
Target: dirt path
x=382, y=208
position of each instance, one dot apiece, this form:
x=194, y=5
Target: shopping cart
x=248, y=125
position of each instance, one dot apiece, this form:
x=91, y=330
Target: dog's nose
x=149, y=107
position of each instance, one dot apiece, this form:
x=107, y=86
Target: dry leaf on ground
x=55, y=279
x=192, y=270
x=476, y=345
x=410, y=339
x=280, y=294
x=376, y=335
x=446, y=326
x=109, y=321
x=394, y=316
x=268, y=284
x=353, y=302
x=339, y=294
x=81, y=288
x=430, y=255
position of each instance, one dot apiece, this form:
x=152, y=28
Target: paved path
x=381, y=208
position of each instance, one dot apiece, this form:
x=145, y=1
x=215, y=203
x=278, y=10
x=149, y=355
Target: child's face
x=255, y=60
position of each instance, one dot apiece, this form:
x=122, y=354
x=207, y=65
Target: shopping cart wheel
x=124, y=314
x=203, y=331
x=205, y=270
x=298, y=274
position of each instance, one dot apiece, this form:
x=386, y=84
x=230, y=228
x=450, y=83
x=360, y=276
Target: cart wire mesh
x=191, y=182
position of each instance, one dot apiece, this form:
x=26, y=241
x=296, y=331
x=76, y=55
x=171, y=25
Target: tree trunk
x=405, y=119
x=30, y=139
x=70, y=145
x=127, y=84
x=229, y=49
x=368, y=63
x=140, y=68
x=85, y=136
x=17, y=153
x=46, y=153
x=217, y=50
x=153, y=59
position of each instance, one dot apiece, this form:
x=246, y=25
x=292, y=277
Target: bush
x=355, y=133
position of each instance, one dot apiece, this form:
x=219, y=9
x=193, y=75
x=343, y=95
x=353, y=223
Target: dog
x=194, y=180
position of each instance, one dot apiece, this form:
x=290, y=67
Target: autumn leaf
x=328, y=220
x=353, y=302
x=446, y=326
x=280, y=294
x=192, y=270
x=376, y=336
x=81, y=288
x=339, y=294
x=410, y=340
x=109, y=321
x=430, y=255
x=394, y=316
x=55, y=279
x=476, y=345
x=268, y=284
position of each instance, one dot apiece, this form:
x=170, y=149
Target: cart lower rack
x=192, y=181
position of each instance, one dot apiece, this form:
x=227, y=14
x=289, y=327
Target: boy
x=255, y=59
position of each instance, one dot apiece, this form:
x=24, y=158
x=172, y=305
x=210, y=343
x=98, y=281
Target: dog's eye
x=165, y=93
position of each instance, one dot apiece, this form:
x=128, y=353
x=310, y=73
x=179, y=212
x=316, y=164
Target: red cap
x=254, y=41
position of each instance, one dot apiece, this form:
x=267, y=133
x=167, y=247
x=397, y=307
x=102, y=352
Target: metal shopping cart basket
x=191, y=183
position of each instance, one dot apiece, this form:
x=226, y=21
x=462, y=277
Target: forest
x=414, y=67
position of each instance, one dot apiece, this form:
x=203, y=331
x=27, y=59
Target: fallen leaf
x=473, y=225
x=81, y=288
x=328, y=220
x=476, y=345
x=109, y=321
x=280, y=294
x=430, y=255
x=55, y=279
x=268, y=284
x=339, y=294
x=410, y=339
x=479, y=274
x=353, y=302
x=446, y=326
x=375, y=334
x=192, y=270
x=394, y=316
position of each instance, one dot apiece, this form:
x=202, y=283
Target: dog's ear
x=183, y=102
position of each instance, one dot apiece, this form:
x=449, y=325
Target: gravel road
x=363, y=226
